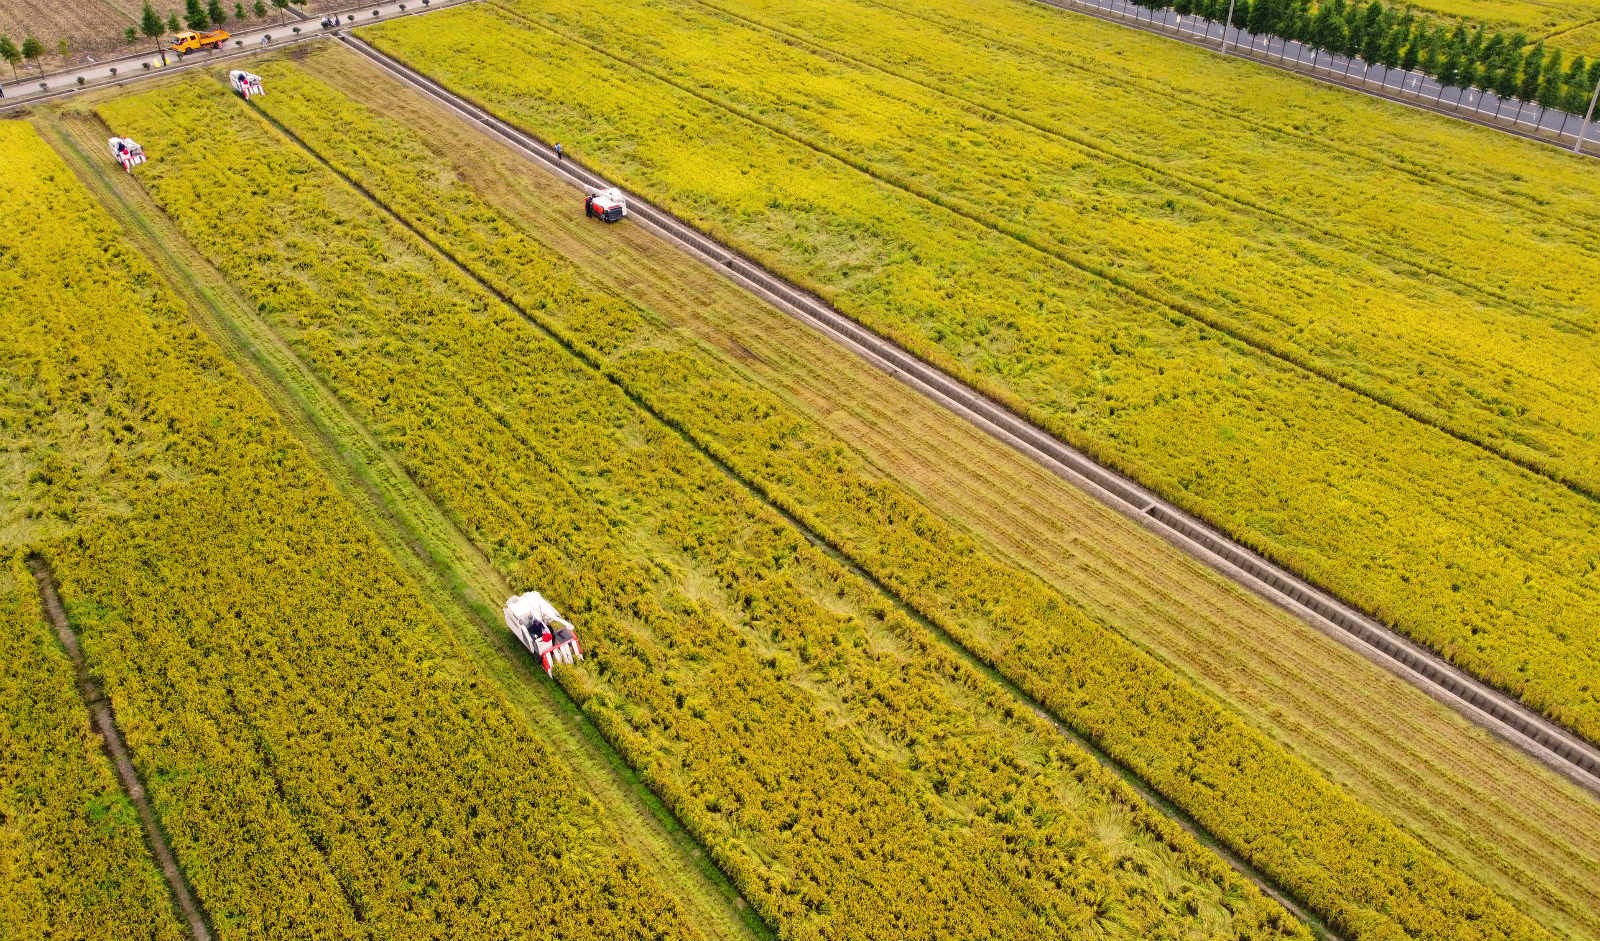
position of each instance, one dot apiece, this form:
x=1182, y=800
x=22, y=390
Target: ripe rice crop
x=1272, y=808
x=1418, y=515
x=1522, y=831
x=72, y=858
x=851, y=775
x=321, y=757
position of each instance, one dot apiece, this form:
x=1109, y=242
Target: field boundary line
x=1145, y=791
x=1483, y=705
x=193, y=914
x=449, y=568
x=1256, y=342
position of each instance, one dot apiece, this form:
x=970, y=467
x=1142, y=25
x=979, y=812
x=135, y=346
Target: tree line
x=151, y=25
x=1377, y=32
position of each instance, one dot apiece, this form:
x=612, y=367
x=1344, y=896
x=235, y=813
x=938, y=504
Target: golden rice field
x=289, y=410
x=1280, y=348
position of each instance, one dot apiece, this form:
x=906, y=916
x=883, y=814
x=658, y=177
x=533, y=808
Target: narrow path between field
x=193, y=916
x=460, y=580
x=1484, y=705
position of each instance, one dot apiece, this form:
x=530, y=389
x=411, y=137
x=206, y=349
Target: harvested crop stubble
x=1491, y=564
x=1275, y=810
x=321, y=757
x=852, y=776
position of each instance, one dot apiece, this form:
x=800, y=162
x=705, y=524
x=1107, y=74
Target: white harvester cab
x=542, y=630
x=247, y=84
x=126, y=152
x=606, y=204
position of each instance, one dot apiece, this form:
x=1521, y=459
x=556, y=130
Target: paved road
x=1413, y=88
x=294, y=28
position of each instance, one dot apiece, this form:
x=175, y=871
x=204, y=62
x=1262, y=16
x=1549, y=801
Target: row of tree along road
x=1507, y=64
x=196, y=16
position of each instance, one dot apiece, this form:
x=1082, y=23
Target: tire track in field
x=1498, y=712
x=974, y=660
x=440, y=556
x=1295, y=362
x=190, y=911
x=1150, y=170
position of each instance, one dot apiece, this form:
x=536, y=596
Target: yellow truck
x=189, y=40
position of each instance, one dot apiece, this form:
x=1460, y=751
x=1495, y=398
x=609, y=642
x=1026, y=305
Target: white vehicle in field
x=542, y=630
x=125, y=152
x=247, y=84
x=606, y=204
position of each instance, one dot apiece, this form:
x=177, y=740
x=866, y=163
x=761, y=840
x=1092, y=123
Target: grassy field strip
x=230, y=571
x=685, y=585
x=462, y=583
x=1350, y=494
x=1529, y=837
x=72, y=858
x=507, y=261
x=1253, y=122
x=1115, y=226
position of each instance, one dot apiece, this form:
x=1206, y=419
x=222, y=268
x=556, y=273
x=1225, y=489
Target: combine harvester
x=247, y=84
x=607, y=204
x=126, y=152
x=542, y=630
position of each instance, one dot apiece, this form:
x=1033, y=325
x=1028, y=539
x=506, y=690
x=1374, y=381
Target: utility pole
x=1226, y=27
x=1577, y=145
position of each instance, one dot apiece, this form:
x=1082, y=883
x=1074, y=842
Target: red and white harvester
x=608, y=204
x=247, y=84
x=126, y=152
x=542, y=630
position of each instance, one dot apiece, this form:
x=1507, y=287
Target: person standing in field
x=558, y=152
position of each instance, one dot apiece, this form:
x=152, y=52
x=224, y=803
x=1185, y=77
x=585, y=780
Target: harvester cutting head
x=126, y=152
x=542, y=630
x=247, y=84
